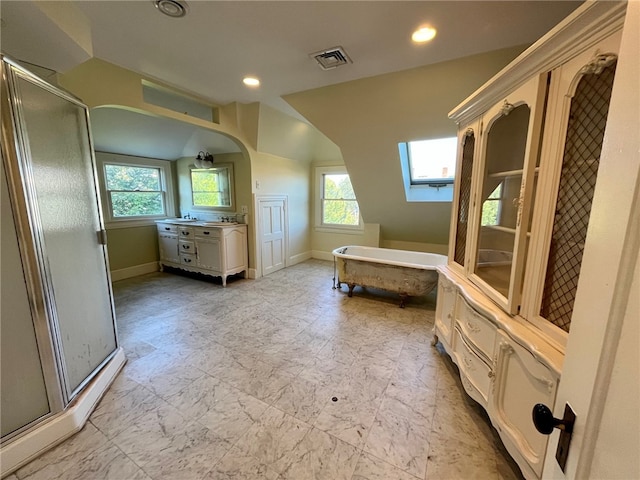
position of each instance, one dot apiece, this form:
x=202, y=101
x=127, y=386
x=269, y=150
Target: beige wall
x=130, y=247
x=367, y=118
x=273, y=175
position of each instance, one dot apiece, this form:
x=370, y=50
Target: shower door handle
x=102, y=237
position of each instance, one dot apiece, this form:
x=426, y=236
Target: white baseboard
x=321, y=255
x=134, y=271
x=299, y=258
x=51, y=432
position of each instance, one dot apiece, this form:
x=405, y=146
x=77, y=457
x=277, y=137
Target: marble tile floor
x=277, y=378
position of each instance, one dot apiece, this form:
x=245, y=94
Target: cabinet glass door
x=505, y=192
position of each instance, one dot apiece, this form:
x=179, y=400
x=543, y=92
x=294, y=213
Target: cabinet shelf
x=500, y=228
x=510, y=173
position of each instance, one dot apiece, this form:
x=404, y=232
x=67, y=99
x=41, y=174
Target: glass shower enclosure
x=57, y=317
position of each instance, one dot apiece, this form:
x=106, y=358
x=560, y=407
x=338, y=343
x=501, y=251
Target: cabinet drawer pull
x=167, y=228
x=491, y=374
x=186, y=247
x=468, y=363
x=205, y=233
x=473, y=327
x=184, y=233
x=187, y=260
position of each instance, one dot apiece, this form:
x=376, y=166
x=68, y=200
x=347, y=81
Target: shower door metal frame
x=16, y=157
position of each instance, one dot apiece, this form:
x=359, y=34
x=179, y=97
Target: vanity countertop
x=197, y=223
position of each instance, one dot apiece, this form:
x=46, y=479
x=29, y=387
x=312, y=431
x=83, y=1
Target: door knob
x=545, y=422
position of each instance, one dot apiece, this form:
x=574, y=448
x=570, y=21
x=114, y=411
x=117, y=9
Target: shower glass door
x=58, y=179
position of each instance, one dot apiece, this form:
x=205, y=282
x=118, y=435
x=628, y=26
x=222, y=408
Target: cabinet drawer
x=186, y=246
x=207, y=232
x=186, y=232
x=166, y=228
x=478, y=329
x=471, y=366
x=187, y=259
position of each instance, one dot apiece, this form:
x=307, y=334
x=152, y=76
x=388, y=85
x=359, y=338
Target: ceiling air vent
x=331, y=58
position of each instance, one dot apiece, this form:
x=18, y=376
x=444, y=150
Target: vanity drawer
x=478, y=329
x=167, y=228
x=471, y=366
x=204, y=232
x=186, y=232
x=187, y=259
x=186, y=246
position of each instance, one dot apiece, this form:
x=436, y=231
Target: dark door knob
x=545, y=422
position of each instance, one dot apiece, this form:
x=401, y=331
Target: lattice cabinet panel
x=585, y=133
x=468, y=147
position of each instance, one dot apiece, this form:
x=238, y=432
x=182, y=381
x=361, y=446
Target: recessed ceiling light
x=171, y=8
x=251, y=81
x=423, y=34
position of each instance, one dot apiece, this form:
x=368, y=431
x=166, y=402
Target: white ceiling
x=217, y=43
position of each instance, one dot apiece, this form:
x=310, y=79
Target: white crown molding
x=587, y=25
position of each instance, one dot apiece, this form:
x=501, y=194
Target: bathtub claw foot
x=403, y=299
x=351, y=287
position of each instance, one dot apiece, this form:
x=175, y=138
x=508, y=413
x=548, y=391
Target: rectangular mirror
x=212, y=188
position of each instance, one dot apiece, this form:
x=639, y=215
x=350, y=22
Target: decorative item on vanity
x=530, y=142
x=203, y=160
x=405, y=272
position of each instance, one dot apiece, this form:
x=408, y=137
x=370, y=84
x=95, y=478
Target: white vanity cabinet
x=219, y=250
x=168, y=243
x=208, y=246
x=529, y=150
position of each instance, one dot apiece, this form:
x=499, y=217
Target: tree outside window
x=206, y=188
x=491, y=207
x=339, y=205
x=134, y=191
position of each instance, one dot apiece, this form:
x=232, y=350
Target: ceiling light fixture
x=423, y=34
x=171, y=8
x=251, y=81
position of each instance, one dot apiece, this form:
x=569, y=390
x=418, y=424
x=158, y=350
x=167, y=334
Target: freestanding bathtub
x=408, y=273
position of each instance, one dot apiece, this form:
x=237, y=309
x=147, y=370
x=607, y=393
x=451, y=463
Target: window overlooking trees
x=206, y=188
x=212, y=187
x=336, y=205
x=491, y=207
x=134, y=191
x=339, y=205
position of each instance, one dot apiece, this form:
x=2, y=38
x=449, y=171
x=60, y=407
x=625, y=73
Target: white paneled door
x=272, y=218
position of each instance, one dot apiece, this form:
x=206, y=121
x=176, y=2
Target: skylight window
x=432, y=161
x=428, y=169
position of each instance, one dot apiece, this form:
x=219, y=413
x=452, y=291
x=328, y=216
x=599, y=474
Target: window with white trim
x=337, y=204
x=134, y=189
